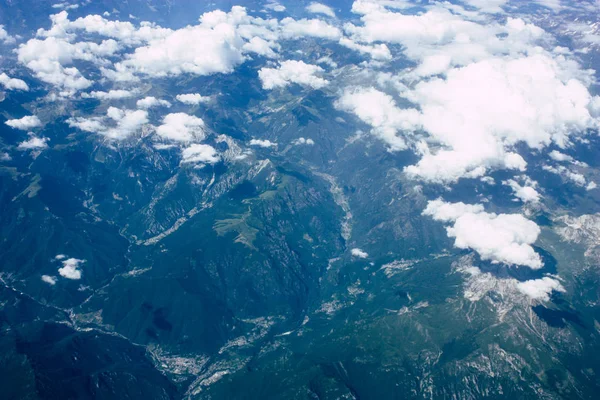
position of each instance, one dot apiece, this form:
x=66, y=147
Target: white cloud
x=378, y=51
x=49, y=59
x=192, y=98
x=70, y=268
x=295, y=29
x=25, y=123
x=489, y=6
x=303, y=141
x=151, y=101
x=379, y=110
x=289, y=72
x=118, y=124
x=262, y=143
x=540, y=289
x=525, y=192
x=200, y=153
x=591, y=186
x=213, y=46
x=558, y=156
x=356, y=252
x=65, y=6
x=50, y=280
x=12, y=83
x=319, y=8
x=261, y=47
x=500, y=238
x=110, y=95
x=181, y=127
x=34, y=143
x=123, y=31
x=275, y=6
x=5, y=37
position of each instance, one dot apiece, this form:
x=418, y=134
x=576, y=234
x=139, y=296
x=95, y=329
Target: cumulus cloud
x=262, y=143
x=356, y=252
x=192, y=98
x=540, y=289
x=49, y=59
x=499, y=238
x=379, y=110
x=70, y=268
x=319, y=8
x=110, y=95
x=118, y=124
x=482, y=72
x=12, y=83
x=379, y=52
x=151, y=102
x=295, y=29
x=5, y=37
x=50, y=280
x=303, y=141
x=26, y=123
x=261, y=47
x=34, y=143
x=558, y=156
x=181, y=127
x=213, y=46
x=525, y=192
x=464, y=115
x=200, y=153
x=289, y=72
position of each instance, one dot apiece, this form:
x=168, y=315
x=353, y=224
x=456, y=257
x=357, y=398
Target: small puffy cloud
x=151, y=102
x=26, y=123
x=12, y=83
x=118, y=124
x=319, y=8
x=181, y=127
x=378, y=52
x=295, y=29
x=34, y=143
x=275, y=6
x=499, y=238
x=303, y=141
x=50, y=280
x=65, y=6
x=289, y=72
x=356, y=252
x=540, y=289
x=525, y=192
x=560, y=157
x=5, y=37
x=591, y=186
x=200, y=153
x=262, y=143
x=70, y=268
x=192, y=98
x=110, y=95
x=261, y=47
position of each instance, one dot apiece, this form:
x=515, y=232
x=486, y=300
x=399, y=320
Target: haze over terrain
x=368, y=199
